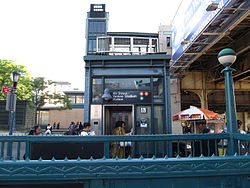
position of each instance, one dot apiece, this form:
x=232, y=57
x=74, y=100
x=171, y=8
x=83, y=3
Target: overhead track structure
x=229, y=28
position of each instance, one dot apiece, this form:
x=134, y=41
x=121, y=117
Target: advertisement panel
x=190, y=20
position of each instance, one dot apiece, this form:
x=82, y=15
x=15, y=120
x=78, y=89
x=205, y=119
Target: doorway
x=112, y=114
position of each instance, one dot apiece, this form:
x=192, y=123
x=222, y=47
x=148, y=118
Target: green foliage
x=28, y=88
x=24, y=86
x=41, y=94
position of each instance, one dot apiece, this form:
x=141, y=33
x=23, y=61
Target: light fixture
x=213, y=6
x=184, y=42
x=15, y=76
x=227, y=57
x=107, y=96
x=11, y=107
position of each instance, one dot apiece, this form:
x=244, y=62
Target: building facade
x=133, y=71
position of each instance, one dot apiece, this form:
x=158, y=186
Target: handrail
x=111, y=138
x=25, y=146
x=238, y=136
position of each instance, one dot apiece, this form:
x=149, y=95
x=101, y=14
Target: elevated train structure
x=224, y=24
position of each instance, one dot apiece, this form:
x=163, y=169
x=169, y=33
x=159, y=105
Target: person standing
x=80, y=127
x=116, y=148
x=48, y=130
x=36, y=131
x=86, y=131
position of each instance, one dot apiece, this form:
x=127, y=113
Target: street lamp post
x=227, y=57
x=11, y=103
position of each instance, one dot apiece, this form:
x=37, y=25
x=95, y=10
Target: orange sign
x=191, y=116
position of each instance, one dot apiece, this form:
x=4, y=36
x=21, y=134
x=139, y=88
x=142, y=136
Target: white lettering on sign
x=120, y=95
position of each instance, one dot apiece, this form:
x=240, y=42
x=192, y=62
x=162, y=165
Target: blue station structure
x=128, y=78
x=136, y=74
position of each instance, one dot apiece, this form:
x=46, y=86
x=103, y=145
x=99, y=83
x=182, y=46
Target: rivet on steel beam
x=141, y=157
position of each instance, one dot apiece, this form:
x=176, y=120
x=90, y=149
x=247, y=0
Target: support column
x=168, y=113
x=87, y=94
x=204, y=100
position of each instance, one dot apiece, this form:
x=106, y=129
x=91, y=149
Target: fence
x=162, y=161
x=96, y=147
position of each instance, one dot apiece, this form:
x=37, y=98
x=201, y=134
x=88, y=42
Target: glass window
x=97, y=90
x=122, y=41
x=158, y=119
x=72, y=99
x=92, y=45
x=141, y=41
x=168, y=42
x=158, y=89
x=103, y=44
x=158, y=122
x=128, y=83
x=79, y=99
x=97, y=27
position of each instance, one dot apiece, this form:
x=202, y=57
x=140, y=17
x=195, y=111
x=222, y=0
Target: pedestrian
x=54, y=125
x=118, y=147
x=35, y=131
x=86, y=131
x=48, y=130
x=72, y=128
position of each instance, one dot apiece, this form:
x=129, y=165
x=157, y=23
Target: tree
x=24, y=87
x=30, y=89
x=41, y=95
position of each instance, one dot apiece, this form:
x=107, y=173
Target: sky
x=48, y=36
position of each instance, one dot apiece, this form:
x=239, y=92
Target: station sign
x=130, y=97
x=6, y=89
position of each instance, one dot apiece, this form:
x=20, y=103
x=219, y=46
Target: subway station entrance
x=139, y=96
x=112, y=114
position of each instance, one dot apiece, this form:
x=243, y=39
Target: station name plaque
x=130, y=97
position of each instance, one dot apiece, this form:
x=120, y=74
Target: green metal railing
x=145, y=146
x=147, y=166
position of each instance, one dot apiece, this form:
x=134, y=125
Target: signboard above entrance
x=130, y=97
